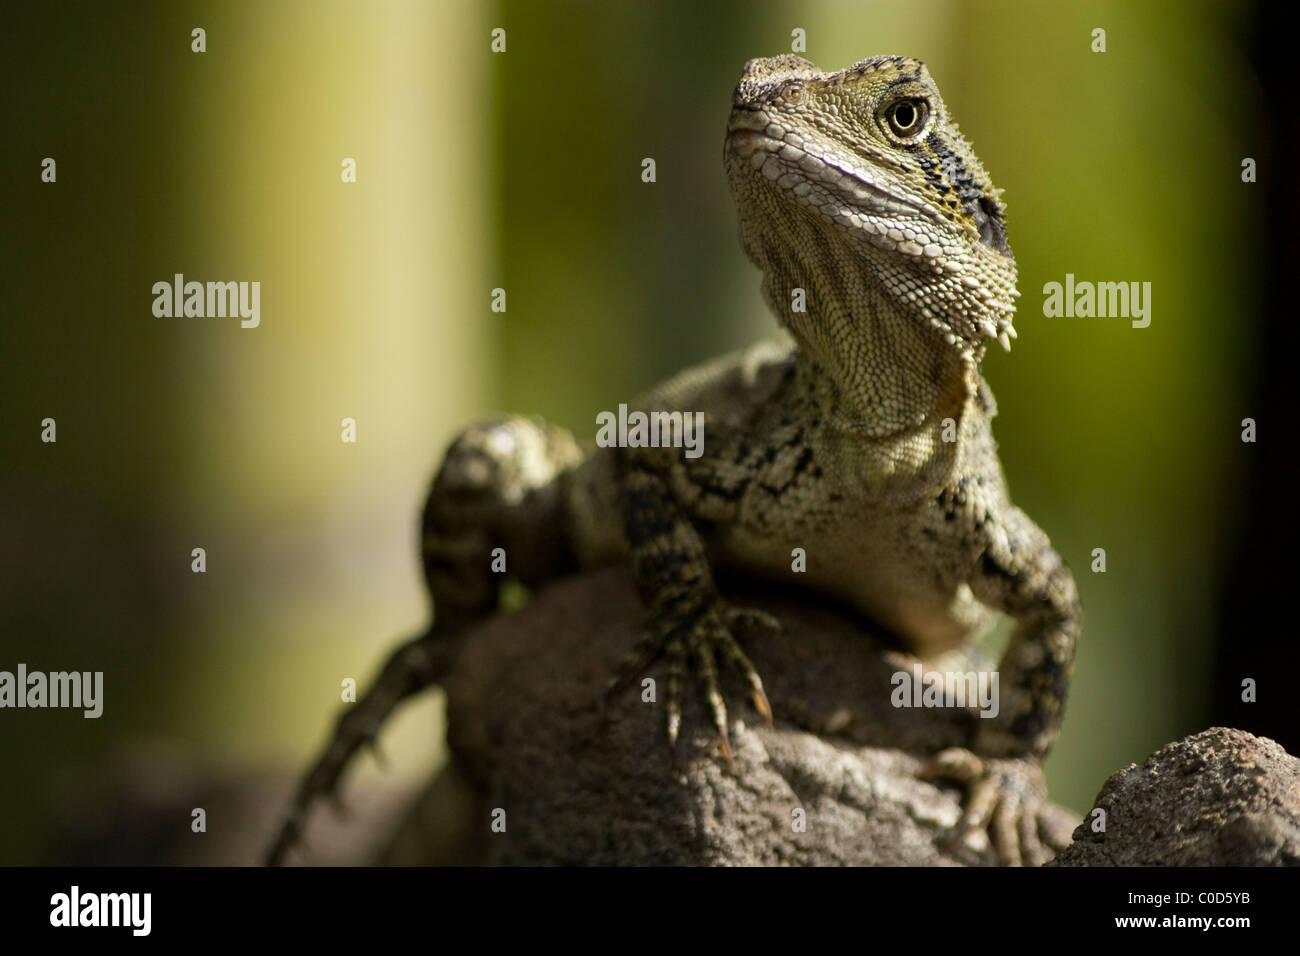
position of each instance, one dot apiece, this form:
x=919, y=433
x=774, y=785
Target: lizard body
x=865, y=440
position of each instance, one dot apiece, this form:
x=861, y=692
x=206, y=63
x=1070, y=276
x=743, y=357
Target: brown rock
x=1218, y=798
x=527, y=738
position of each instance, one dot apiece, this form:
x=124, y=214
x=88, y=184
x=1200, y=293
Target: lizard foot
x=1004, y=797
x=699, y=637
x=410, y=669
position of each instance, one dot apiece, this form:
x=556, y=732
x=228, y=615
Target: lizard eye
x=906, y=118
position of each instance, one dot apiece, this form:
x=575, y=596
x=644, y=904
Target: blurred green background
x=522, y=170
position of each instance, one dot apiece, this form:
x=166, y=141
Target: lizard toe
x=1004, y=798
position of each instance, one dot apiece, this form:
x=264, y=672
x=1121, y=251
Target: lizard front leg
x=501, y=485
x=688, y=622
x=1020, y=574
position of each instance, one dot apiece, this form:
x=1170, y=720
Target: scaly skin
x=856, y=188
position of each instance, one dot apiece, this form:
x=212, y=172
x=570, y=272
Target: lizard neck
x=906, y=378
x=889, y=436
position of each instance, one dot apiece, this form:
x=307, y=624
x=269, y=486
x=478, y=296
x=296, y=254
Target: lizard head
x=857, y=187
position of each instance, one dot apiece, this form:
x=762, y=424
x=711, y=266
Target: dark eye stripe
x=983, y=210
x=914, y=77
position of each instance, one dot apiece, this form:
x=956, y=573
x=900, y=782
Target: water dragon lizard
x=865, y=439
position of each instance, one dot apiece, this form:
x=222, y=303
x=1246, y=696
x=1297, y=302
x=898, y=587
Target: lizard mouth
x=834, y=186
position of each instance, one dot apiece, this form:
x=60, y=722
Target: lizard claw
x=1004, y=797
x=749, y=618
x=698, y=639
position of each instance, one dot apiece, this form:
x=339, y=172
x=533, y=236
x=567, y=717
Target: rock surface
x=1218, y=798
x=527, y=739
